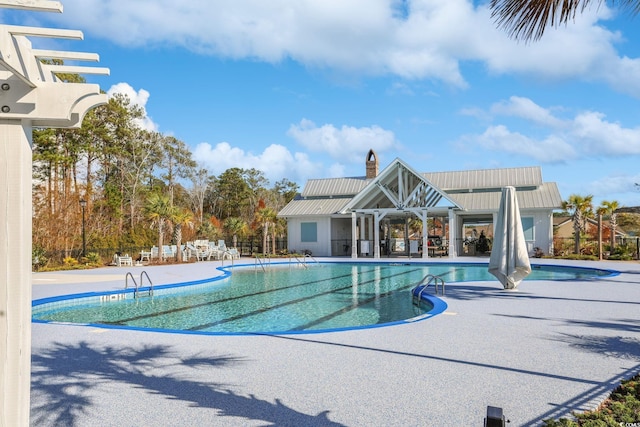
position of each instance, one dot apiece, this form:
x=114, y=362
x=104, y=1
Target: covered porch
x=393, y=214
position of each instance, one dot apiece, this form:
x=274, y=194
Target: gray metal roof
x=332, y=187
x=486, y=178
x=308, y=207
x=473, y=190
x=546, y=196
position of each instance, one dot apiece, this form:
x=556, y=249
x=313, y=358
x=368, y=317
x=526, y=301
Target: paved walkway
x=542, y=351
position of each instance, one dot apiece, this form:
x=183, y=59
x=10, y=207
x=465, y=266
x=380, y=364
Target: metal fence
x=246, y=248
x=630, y=246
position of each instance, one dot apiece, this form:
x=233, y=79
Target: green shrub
x=70, y=262
x=94, y=258
x=622, y=407
x=38, y=257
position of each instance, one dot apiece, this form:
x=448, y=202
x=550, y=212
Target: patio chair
x=124, y=260
x=214, y=252
x=192, y=250
x=145, y=256
x=202, y=253
x=167, y=252
x=231, y=253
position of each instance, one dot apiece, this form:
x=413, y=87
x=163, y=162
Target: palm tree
x=235, y=226
x=279, y=227
x=180, y=218
x=600, y=211
x=610, y=208
x=581, y=208
x=265, y=217
x=528, y=19
x=159, y=210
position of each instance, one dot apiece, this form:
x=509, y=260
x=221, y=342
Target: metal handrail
x=126, y=282
x=429, y=279
x=259, y=261
x=144, y=273
x=309, y=256
x=136, y=290
x=301, y=262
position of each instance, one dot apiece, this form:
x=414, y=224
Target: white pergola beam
x=71, y=69
x=61, y=54
x=57, y=33
x=33, y=5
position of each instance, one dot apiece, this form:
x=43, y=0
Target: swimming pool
x=284, y=298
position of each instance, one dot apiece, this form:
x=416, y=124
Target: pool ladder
x=262, y=262
x=137, y=291
x=424, y=284
x=303, y=261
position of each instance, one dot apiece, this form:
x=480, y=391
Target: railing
x=309, y=256
x=261, y=262
x=424, y=284
x=302, y=262
x=136, y=290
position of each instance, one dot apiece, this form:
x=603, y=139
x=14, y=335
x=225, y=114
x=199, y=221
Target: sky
x=303, y=89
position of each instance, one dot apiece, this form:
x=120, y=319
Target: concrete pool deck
x=545, y=350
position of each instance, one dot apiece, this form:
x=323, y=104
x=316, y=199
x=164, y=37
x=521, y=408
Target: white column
x=354, y=235
x=15, y=272
x=376, y=234
x=550, y=234
x=425, y=234
x=363, y=230
x=453, y=234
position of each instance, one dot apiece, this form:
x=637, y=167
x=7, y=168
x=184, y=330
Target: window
x=527, y=226
x=309, y=232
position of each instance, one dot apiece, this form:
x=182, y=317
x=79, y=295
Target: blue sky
x=304, y=88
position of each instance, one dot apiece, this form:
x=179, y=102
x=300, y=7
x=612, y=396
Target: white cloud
x=527, y=109
x=605, y=138
x=138, y=98
x=552, y=149
x=276, y=161
x=611, y=184
x=427, y=40
x=586, y=135
x=346, y=143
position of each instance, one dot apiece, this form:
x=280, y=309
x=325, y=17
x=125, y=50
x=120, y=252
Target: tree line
x=141, y=188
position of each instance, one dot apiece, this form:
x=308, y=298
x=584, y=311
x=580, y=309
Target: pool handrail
x=429, y=278
x=309, y=256
x=136, y=290
x=302, y=262
x=261, y=262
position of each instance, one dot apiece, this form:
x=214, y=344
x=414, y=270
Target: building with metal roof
x=376, y=215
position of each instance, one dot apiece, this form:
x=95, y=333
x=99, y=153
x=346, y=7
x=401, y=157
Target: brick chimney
x=372, y=165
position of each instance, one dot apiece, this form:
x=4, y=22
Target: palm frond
x=528, y=19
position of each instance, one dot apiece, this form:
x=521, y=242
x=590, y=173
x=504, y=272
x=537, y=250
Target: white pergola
x=30, y=96
x=398, y=190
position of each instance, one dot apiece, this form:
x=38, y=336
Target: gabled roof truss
x=398, y=187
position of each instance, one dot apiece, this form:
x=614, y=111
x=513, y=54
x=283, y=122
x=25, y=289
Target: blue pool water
x=282, y=299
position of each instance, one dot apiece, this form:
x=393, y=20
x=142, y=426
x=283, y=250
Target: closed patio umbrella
x=509, y=260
